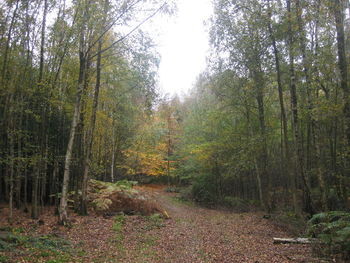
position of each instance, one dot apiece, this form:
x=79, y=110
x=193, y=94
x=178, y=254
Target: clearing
x=192, y=234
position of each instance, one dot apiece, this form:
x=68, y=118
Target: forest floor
x=191, y=234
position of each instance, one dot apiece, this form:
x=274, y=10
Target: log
x=298, y=240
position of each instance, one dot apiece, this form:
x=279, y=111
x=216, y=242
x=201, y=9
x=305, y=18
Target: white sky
x=183, y=45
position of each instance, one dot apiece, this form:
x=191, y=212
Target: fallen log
x=299, y=240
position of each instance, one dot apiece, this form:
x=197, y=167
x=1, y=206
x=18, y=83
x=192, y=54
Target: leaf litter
x=191, y=235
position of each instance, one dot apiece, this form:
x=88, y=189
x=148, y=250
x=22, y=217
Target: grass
x=34, y=249
x=178, y=200
x=118, y=224
x=147, y=238
x=3, y=259
x=154, y=221
x=117, y=227
x=145, y=251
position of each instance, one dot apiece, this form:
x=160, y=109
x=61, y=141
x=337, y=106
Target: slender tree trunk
x=63, y=216
x=287, y=155
x=113, y=152
x=342, y=62
x=35, y=188
x=259, y=84
x=311, y=122
x=169, y=146
x=12, y=168
x=90, y=134
x=7, y=45
x=294, y=104
x=256, y=166
x=343, y=68
x=19, y=162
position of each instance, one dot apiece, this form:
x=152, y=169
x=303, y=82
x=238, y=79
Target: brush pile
x=112, y=198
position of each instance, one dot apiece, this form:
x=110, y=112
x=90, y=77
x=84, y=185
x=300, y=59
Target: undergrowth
x=154, y=221
x=117, y=227
x=333, y=230
x=33, y=248
x=4, y=259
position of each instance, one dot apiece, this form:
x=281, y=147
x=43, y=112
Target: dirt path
x=197, y=235
x=191, y=235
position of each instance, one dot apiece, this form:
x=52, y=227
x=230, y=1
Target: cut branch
x=299, y=240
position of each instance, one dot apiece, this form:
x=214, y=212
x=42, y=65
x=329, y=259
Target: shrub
x=172, y=189
x=204, y=190
x=237, y=204
x=333, y=230
x=4, y=259
x=186, y=193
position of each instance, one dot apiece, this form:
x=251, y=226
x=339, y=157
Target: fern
x=102, y=204
x=333, y=229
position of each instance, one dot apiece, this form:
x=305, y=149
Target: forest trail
x=192, y=234
x=198, y=235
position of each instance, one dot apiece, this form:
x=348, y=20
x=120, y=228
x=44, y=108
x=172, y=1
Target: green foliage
x=53, y=248
x=5, y=246
x=236, y=203
x=204, y=189
x=4, y=259
x=333, y=229
x=48, y=243
x=101, y=192
x=154, y=221
x=125, y=184
x=117, y=227
x=60, y=259
x=172, y=189
x=102, y=203
x=119, y=222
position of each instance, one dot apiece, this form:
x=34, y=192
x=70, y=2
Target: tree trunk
x=35, y=187
x=294, y=104
x=113, y=152
x=259, y=84
x=257, y=170
x=90, y=134
x=12, y=160
x=63, y=216
x=287, y=156
x=343, y=68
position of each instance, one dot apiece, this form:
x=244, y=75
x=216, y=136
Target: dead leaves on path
x=192, y=235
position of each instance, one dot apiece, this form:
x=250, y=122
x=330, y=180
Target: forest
x=266, y=127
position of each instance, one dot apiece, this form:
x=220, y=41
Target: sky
x=183, y=44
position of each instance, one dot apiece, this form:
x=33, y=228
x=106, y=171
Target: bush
x=333, y=230
x=186, y=193
x=4, y=259
x=172, y=189
x=203, y=189
x=237, y=204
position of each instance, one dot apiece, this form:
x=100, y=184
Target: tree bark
x=63, y=215
x=90, y=134
x=287, y=155
x=343, y=68
x=294, y=104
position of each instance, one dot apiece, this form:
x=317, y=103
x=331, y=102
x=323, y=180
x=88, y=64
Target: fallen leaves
x=191, y=235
